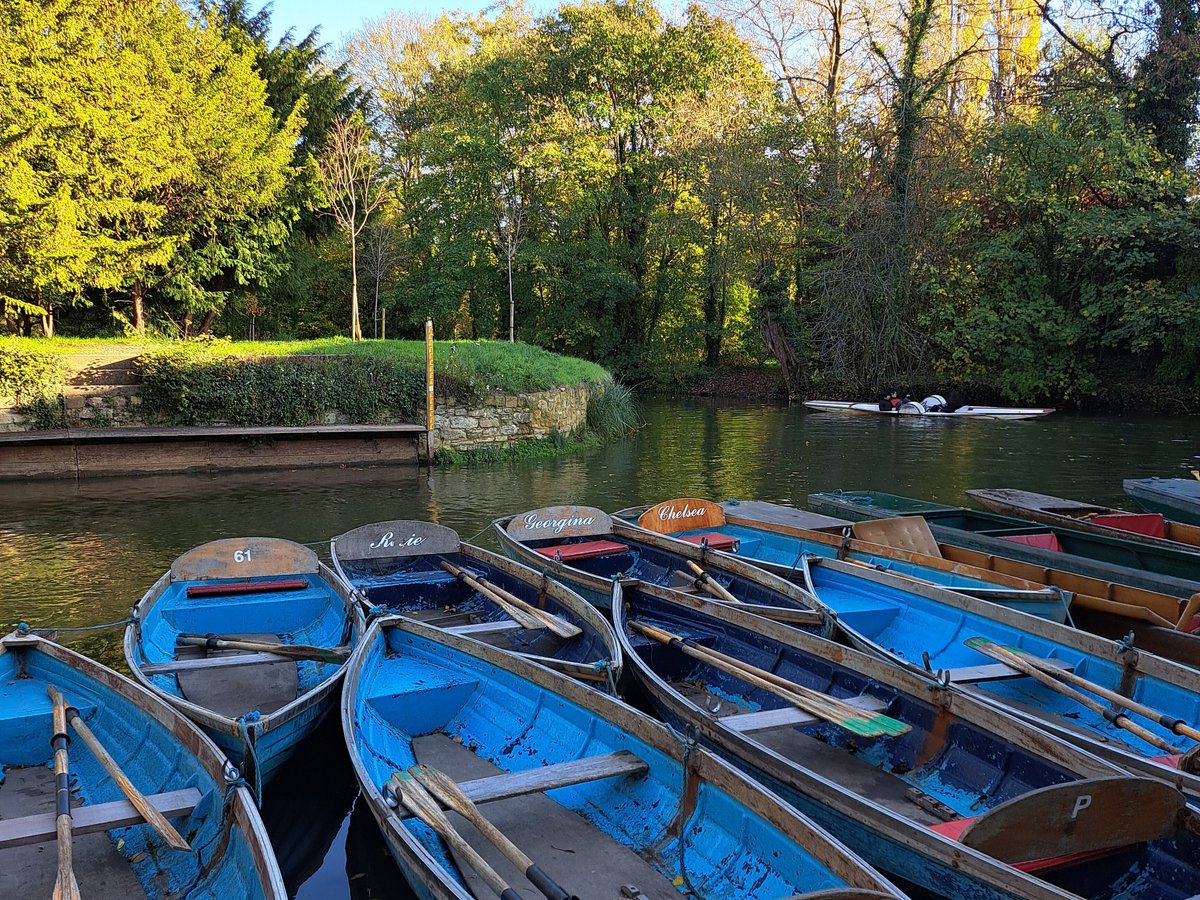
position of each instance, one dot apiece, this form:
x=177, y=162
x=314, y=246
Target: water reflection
x=78, y=553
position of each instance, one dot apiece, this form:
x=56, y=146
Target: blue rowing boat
x=922, y=780
x=583, y=548
x=603, y=800
x=115, y=853
x=425, y=572
x=779, y=548
x=1178, y=498
x=247, y=637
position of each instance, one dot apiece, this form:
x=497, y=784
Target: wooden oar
x=447, y=791
x=417, y=800
x=712, y=584
x=526, y=614
x=557, y=624
x=153, y=817
x=65, y=885
x=812, y=702
x=996, y=652
x=334, y=655
x=1175, y=726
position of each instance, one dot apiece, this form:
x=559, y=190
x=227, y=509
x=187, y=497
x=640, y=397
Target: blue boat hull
x=408, y=682
x=159, y=751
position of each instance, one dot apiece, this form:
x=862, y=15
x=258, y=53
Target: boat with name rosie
x=248, y=637
x=425, y=572
x=1175, y=497
x=1145, y=527
x=930, y=408
x=142, y=804
x=927, y=784
x=571, y=792
x=585, y=549
x=779, y=545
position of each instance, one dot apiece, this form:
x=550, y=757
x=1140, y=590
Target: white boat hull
x=995, y=413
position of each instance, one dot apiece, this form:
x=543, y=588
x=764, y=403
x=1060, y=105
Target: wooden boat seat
x=1000, y=671
x=1047, y=541
x=790, y=716
x=546, y=778
x=1149, y=524
x=230, y=589
x=1076, y=821
x=40, y=827
x=480, y=628
x=213, y=662
x=714, y=539
x=239, y=689
x=583, y=550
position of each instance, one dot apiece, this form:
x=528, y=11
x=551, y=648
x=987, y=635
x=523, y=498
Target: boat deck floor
x=582, y=858
x=836, y=765
x=30, y=871
x=238, y=690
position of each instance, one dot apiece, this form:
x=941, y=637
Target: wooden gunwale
x=902, y=832
x=240, y=805
x=705, y=766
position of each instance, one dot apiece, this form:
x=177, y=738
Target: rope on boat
x=377, y=611
x=605, y=666
x=243, y=726
x=1066, y=602
x=24, y=628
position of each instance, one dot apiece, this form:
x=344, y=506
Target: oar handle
x=65, y=885
x=712, y=584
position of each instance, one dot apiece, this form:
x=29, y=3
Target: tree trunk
x=187, y=324
x=139, y=307
x=206, y=323
x=511, y=306
x=714, y=313
x=355, y=325
x=48, y=318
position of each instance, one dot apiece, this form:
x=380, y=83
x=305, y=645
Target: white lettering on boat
x=389, y=540
x=1082, y=802
x=670, y=513
x=556, y=525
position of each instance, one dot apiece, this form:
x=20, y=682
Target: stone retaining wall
x=102, y=392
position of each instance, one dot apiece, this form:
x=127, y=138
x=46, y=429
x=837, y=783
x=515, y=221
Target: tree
x=351, y=179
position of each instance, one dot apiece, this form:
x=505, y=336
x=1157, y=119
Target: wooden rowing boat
x=1145, y=528
x=284, y=624
x=776, y=538
x=1178, y=498
x=967, y=802
x=115, y=852
x=604, y=801
x=917, y=409
x=583, y=548
x=1160, y=569
x=410, y=567
x=767, y=535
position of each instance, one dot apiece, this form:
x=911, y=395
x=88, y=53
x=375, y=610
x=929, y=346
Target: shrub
x=34, y=379
x=611, y=413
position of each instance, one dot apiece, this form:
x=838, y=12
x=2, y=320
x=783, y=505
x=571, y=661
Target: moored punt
x=114, y=852
x=780, y=549
x=583, y=548
x=1110, y=599
x=1175, y=497
x=1160, y=569
x=957, y=636
x=598, y=797
x=1146, y=527
x=947, y=793
x=248, y=637
x=425, y=572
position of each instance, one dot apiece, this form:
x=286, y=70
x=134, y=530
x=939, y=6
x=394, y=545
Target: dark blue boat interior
x=959, y=765
x=661, y=567
x=221, y=864
x=418, y=586
x=910, y=626
x=963, y=767
x=411, y=687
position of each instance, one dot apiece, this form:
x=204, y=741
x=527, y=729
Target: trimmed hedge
x=186, y=387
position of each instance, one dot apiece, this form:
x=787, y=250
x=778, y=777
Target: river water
x=82, y=553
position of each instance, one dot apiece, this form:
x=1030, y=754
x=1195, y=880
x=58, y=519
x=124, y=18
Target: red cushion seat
x=582, y=550
x=714, y=539
x=1047, y=541
x=229, y=589
x=1149, y=524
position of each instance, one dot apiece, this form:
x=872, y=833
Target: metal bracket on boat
x=630, y=892
x=941, y=677
x=1126, y=653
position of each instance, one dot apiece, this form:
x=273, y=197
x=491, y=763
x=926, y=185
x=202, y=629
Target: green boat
x=1160, y=569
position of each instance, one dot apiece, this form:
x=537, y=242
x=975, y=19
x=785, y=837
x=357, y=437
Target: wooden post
x=429, y=391
x=383, y=324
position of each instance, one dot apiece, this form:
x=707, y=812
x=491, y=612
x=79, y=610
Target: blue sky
x=339, y=18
